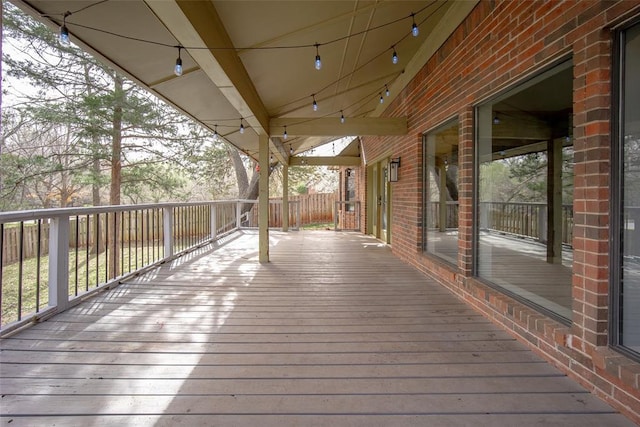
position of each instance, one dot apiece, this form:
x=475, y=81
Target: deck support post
x=285, y=197
x=263, y=200
x=554, y=202
x=167, y=231
x=443, y=198
x=59, y=263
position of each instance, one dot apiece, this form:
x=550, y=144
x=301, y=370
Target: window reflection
x=441, y=192
x=525, y=190
x=630, y=274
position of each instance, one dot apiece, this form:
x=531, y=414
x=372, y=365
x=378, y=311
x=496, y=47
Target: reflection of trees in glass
x=632, y=170
x=524, y=178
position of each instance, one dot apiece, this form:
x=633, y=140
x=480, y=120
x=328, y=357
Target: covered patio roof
x=252, y=62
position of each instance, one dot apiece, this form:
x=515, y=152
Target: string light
x=291, y=149
x=241, y=126
x=178, y=68
x=64, y=31
x=414, y=27
x=284, y=135
x=386, y=90
x=315, y=104
x=341, y=117
x=318, y=63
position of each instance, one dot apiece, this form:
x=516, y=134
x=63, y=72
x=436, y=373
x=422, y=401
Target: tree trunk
x=248, y=190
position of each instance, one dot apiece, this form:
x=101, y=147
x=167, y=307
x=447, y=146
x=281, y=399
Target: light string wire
x=329, y=85
x=299, y=46
x=316, y=45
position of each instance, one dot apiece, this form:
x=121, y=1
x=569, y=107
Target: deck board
x=333, y=331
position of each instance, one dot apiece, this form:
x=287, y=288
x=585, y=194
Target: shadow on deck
x=335, y=331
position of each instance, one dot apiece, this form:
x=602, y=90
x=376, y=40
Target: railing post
x=167, y=229
x=59, y=263
x=484, y=219
x=542, y=224
x=213, y=221
x=238, y=215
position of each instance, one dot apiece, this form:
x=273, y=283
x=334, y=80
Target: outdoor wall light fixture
x=394, y=165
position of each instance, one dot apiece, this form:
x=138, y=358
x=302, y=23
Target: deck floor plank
x=333, y=331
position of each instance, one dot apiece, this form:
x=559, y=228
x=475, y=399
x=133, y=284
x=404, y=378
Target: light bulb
x=496, y=120
x=284, y=135
x=318, y=63
x=64, y=36
x=315, y=104
x=216, y=137
x=414, y=27
x=386, y=92
x=381, y=99
x=291, y=150
x=394, y=57
x=241, y=126
x=341, y=117
x=178, y=68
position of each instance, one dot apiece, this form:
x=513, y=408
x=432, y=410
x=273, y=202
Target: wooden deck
x=335, y=331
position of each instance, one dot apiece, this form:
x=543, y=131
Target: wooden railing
x=53, y=258
x=518, y=219
x=524, y=220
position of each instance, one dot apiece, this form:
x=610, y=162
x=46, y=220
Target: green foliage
x=73, y=92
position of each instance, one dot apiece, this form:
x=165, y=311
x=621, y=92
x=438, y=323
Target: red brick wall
x=499, y=44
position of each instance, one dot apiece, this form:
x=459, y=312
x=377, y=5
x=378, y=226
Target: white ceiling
x=241, y=60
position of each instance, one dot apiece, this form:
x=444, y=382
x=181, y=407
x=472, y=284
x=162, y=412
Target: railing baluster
x=38, y=255
x=106, y=247
x=97, y=246
x=87, y=254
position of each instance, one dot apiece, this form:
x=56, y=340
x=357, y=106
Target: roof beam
x=325, y=161
x=331, y=126
x=277, y=148
x=196, y=23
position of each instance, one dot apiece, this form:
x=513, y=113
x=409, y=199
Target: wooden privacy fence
x=303, y=210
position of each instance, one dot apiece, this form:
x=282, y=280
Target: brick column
x=465, y=192
x=592, y=147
